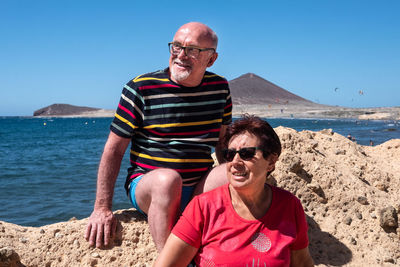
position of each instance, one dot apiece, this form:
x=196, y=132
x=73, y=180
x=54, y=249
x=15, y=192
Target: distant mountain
x=252, y=89
x=63, y=110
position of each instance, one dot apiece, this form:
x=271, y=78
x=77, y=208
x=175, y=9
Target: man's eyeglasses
x=190, y=51
x=245, y=153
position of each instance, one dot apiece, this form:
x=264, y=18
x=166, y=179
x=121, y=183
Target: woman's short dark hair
x=269, y=140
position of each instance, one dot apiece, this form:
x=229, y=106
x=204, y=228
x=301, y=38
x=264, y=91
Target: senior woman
x=245, y=222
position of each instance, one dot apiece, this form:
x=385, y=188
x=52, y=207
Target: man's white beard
x=180, y=75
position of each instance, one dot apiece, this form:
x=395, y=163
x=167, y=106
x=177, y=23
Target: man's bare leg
x=215, y=178
x=158, y=194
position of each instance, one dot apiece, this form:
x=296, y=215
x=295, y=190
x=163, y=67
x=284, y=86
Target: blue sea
x=48, y=166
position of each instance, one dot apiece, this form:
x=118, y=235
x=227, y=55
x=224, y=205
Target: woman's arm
x=176, y=252
x=301, y=258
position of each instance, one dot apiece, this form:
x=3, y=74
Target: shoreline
x=279, y=112
x=319, y=112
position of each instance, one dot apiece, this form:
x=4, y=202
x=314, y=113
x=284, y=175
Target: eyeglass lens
x=245, y=153
x=189, y=51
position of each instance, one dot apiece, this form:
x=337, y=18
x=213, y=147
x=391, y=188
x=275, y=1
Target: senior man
x=173, y=119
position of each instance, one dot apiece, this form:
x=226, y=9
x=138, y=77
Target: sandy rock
x=388, y=219
x=362, y=200
x=338, y=182
x=9, y=258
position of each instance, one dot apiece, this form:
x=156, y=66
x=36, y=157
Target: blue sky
x=83, y=52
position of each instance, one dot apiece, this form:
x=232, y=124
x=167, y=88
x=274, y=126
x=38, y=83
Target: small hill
x=62, y=109
x=250, y=89
x=66, y=110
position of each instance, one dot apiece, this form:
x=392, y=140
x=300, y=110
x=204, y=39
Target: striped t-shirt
x=172, y=126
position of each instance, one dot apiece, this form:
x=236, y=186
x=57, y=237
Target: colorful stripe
x=183, y=124
x=185, y=95
x=171, y=140
x=214, y=83
x=127, y=111
x=207, y=112
x=142, y=155
x=158, y=86
x=125, y=121
x=184, y=133
x=173, y=105
x=150, y=79
x=178, y=170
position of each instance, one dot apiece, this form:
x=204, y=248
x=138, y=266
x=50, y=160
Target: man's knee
x=160, y=187
x=166, y=193
x=166, y=179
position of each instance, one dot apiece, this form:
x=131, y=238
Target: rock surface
x=350, y=194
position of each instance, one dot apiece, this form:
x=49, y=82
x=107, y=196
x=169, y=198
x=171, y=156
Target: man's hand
x=101, y=227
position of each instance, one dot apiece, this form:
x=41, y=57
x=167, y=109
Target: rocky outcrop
x=350, y=194
x=66, y=110
x=62, y=109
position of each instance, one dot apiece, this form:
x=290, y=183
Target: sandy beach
x=318, y=111
x=349, y=193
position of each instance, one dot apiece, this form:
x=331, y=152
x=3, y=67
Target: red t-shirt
x=224, y=238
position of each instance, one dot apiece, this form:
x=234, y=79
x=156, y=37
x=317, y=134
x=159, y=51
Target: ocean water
x=48, y=166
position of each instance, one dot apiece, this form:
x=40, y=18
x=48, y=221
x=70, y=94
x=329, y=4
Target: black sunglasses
x=245, y=153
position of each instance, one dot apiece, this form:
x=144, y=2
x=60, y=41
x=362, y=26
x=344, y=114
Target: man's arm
x=102, y=223
x=218, y=147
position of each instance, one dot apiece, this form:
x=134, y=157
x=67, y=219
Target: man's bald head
x=204, y=33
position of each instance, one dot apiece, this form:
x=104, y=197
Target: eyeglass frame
x=185, y=47
x=225, y=153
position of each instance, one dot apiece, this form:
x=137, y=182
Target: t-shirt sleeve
x=301, y=240
x=128, y=116
x=189, y=226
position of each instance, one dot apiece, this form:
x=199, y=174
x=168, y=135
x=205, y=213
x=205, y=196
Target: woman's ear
x=272, y=159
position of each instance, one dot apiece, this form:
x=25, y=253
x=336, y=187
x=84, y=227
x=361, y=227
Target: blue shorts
x=187, y=192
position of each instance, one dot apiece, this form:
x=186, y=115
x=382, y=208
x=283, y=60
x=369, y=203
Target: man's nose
x=182, y=53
